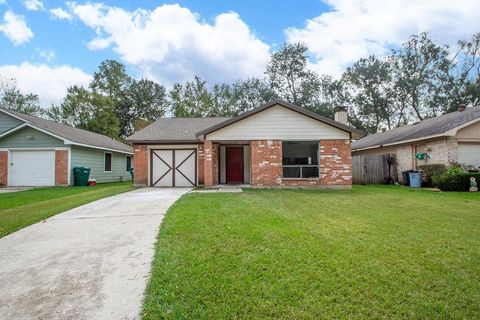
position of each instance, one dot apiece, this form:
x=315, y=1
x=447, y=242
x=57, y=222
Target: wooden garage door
x=33, y=168
x=469, y=153
x=173, y=168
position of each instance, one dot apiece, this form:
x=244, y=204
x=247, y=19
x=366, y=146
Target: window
x=129, y=163
x=108, y=162
x=300, y=159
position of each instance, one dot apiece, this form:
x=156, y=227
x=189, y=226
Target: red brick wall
x=3, y=168
x=335, y=162
x=210, y=163
x=200, y=164
x=335, y=165
x=266, y=162
x=140, y=165
x=61, y=167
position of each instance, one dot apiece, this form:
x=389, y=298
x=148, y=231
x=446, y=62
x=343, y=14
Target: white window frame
x=126, y=163
x=105, y=161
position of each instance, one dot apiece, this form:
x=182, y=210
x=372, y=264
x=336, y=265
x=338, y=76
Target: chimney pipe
x=341, y=114
x=461, y=107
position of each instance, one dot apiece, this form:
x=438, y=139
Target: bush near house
x=454, y=179
x=430, y=170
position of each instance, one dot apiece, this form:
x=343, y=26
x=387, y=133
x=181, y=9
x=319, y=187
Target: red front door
x=234, y=164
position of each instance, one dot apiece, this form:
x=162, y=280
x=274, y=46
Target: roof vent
x=461, y=107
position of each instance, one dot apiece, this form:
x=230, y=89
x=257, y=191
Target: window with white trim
x=108, y=162
x=128, y=163
x=300, y=159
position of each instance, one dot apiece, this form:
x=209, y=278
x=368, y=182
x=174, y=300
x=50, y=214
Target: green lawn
x=20, y=209
x=372, y=252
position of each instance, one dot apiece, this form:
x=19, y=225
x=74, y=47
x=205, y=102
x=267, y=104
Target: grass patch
x=372, y=252
x=21, y=209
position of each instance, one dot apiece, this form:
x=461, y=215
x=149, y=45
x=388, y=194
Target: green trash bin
x=80, y=176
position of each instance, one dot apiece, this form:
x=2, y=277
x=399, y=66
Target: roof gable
x=286, y=105
x=70, y=134
x=277, y=123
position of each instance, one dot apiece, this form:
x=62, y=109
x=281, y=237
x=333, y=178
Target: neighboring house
x=275, y=145
x=39, y=152
x=452, y=137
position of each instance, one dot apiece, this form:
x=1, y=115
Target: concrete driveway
x=91, y=262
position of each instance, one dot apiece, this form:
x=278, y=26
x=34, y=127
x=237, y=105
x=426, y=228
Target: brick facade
x=335, y=165
x=140, y=165
x=3, y=168
x=335, y=162
x=266, y=162
x=61, y=167
x=210, y=160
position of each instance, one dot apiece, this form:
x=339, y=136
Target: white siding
x=278, y=123
x=223, y=165
x=246, y=164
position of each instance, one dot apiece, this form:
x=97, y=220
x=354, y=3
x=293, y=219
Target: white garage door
x=32, y=168
x=174, y=168
x=469, y=153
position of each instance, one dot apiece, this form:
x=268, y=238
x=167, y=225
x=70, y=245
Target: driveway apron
x=92, y=262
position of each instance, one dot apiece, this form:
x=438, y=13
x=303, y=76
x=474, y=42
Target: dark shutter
x=129, y=163
x=108, y=162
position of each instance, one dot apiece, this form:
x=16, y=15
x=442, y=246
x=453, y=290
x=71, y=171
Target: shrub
x=454, y=180
x=430, y=170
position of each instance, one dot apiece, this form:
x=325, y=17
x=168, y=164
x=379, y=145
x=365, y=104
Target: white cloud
x=33, y=5
x=15, y=28
x=356, y=28
x=3, y=1
x=48, y=54
x=50, y=83
x=60, y=14
x=171, y=43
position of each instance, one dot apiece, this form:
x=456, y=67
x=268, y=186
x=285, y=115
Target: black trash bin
x=80, y=176
x=406, y=177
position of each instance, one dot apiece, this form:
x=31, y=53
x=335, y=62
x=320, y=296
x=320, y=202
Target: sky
x=50, y=45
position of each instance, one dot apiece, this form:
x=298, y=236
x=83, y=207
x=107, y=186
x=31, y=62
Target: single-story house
x=275, y=145
x=39, y=152
x=450, y=138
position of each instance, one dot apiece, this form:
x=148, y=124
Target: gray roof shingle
x=175, y=129
x=429, y=127
x=75, y=135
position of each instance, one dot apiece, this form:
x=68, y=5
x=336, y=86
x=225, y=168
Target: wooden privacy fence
x=374, y=169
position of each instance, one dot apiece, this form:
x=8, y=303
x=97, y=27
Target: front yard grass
x=372, y=252
x=23, y=208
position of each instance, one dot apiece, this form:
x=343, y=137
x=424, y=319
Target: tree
x=289, y=76
x=368, y=82
x=421, y=75
x=146, y=100
x=466, y=85
x=191, y=99
x=112, y=80
x=249, y=94
x=87, y=110
x=12, y=98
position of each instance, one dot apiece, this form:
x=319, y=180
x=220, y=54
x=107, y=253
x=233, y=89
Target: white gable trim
x=453, y=132
x=278, y=123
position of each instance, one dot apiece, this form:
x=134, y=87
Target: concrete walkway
x=91, y=262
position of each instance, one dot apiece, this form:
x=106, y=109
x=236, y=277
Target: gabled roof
x=175, y=130
x=444, y=125
x=287, y=105
x=189, y=130
x=67, y=133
